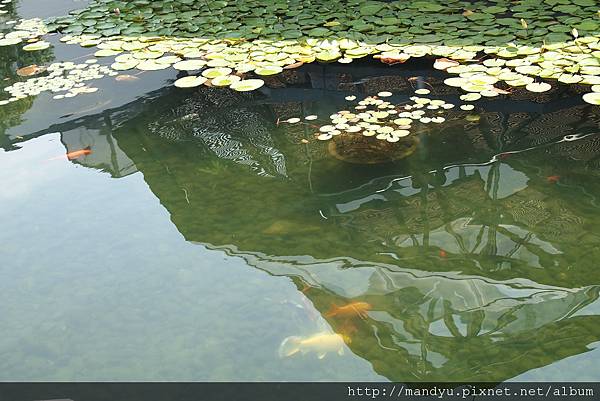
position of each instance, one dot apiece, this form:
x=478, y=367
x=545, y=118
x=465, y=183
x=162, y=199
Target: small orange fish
x=354, y=308
x=443, y=254
x=78, y=153
x=553, y=179
x=75, y=155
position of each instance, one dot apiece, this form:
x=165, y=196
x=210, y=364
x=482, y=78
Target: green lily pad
x=151, y=65
x=189, y=81
x=247, y=85
x=216, y=72
x=9, y=41
x=268, y=70
x=538, y=87
x=125, y=65
x=41, y=45
x=189, y=65
x=225, y=80
x=592, y=98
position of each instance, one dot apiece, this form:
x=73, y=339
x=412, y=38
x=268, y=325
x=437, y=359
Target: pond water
x=204, y=238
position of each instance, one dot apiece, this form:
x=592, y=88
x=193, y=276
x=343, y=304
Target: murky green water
x=199, y=235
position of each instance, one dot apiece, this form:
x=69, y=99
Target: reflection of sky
x=97, y=283
x=577, y=368
x=47, y=8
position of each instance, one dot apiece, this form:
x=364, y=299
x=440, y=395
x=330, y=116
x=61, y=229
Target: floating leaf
x=41, y=45
x=151, y=65
x=538, y=87
x=9, y=41
x=592, y=98
x=470, y=97
x=216, y=72
x=225, y=80
x=247, y=85
x=189, y=81
x=268, y=70
x=106, y=53
x=125, y=65
x=189, y=65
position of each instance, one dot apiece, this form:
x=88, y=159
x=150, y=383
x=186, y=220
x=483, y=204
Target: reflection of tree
x=495, y=223
x=12, y=58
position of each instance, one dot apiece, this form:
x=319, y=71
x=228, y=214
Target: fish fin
x=321, y=355
x=289, y=346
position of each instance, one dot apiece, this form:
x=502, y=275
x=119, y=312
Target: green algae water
x=200, y=236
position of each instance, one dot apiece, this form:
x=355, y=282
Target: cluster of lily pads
x=233, y=44
x=3, y=5
x=375, y=117
x=27, y=30
x=151, y=54
x=65, y=77
x=454, y=22
x=576, y=62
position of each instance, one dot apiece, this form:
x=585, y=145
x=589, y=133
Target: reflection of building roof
x=423, y=325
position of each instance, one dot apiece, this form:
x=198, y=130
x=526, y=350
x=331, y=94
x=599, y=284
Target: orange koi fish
x=75, y=155
x=443, y=253
x=349, y=310
x=553, y=179
x=78, y=153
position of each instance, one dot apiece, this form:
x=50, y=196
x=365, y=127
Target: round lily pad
x=538, y=87
x=41, y=45
x=246, y=85
x=268, y=70
x=592, y=98
x=189, y=65
x=190, y=81
x=216, y=72
x=225, y=80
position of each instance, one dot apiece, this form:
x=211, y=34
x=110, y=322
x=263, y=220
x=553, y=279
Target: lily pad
x=268, y=70
x=151, y=65
x=592, y=98
x=189, y=81
x=225, y=80
x=538, y=87
x=41, y=45
x=216, y=72
x=247, y=85
x=189, y=65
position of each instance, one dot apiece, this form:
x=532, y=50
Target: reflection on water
x=469, y=257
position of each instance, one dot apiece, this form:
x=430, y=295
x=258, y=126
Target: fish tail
x=289, y=346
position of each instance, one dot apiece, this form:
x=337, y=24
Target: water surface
x=200, y=233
